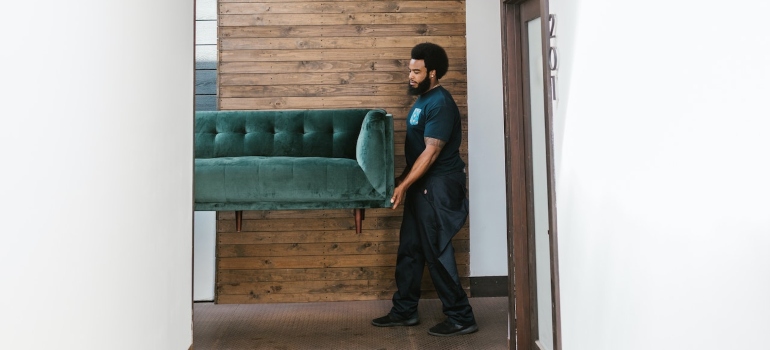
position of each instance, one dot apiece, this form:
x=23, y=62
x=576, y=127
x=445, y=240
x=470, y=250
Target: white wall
x=96, y=230
x=663, y=191
x=486, y=152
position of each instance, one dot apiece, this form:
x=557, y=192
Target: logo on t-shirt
x=415, y=118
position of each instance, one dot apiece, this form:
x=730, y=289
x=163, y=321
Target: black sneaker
x=449, y=328
x=390, y=321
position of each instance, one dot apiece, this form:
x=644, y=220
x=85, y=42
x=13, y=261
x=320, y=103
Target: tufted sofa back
x=330, y=133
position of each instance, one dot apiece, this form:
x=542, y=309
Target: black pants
x=434, y=211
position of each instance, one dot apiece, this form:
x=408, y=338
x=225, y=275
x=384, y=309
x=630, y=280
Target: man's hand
x=399, y=193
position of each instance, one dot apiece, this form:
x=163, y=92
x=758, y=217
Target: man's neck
x=433, y=85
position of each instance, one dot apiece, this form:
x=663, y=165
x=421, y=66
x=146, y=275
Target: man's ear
x=432, y=74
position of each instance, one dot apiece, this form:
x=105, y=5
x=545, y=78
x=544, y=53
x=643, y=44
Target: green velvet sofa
x=293, y=159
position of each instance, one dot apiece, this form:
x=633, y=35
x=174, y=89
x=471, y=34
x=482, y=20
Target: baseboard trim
x=489, y=286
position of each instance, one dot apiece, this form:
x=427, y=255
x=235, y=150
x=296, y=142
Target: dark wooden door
x=533, y=263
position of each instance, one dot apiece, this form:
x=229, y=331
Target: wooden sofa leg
x=359, y=217
x=238, y=220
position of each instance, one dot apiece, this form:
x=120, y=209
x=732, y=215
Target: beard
x=420, y=89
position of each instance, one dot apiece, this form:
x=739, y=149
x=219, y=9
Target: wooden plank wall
x=326, y=54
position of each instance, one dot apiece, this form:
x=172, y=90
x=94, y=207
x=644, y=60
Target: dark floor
x=339, y=325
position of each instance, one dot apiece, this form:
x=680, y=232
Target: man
x=432, y=190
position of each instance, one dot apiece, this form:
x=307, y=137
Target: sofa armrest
x=374, y=151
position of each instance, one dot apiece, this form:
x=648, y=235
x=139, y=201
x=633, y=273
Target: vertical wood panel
x=206, y=55
x=326, y=54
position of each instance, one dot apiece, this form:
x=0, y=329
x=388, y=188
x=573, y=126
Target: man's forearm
x=400, y=178
x=417, y=170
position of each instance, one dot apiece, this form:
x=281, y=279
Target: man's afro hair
x=434, y=56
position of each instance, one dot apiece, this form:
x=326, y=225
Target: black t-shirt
x=435, y=115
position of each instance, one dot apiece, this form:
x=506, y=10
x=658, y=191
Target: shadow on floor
x=339, y=325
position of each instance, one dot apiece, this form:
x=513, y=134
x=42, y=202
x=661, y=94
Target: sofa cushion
x=280, y=179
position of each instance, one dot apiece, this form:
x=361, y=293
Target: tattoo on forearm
x=434, y=142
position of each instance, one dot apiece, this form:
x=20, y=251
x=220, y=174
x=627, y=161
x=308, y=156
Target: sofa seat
x=268, y=183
